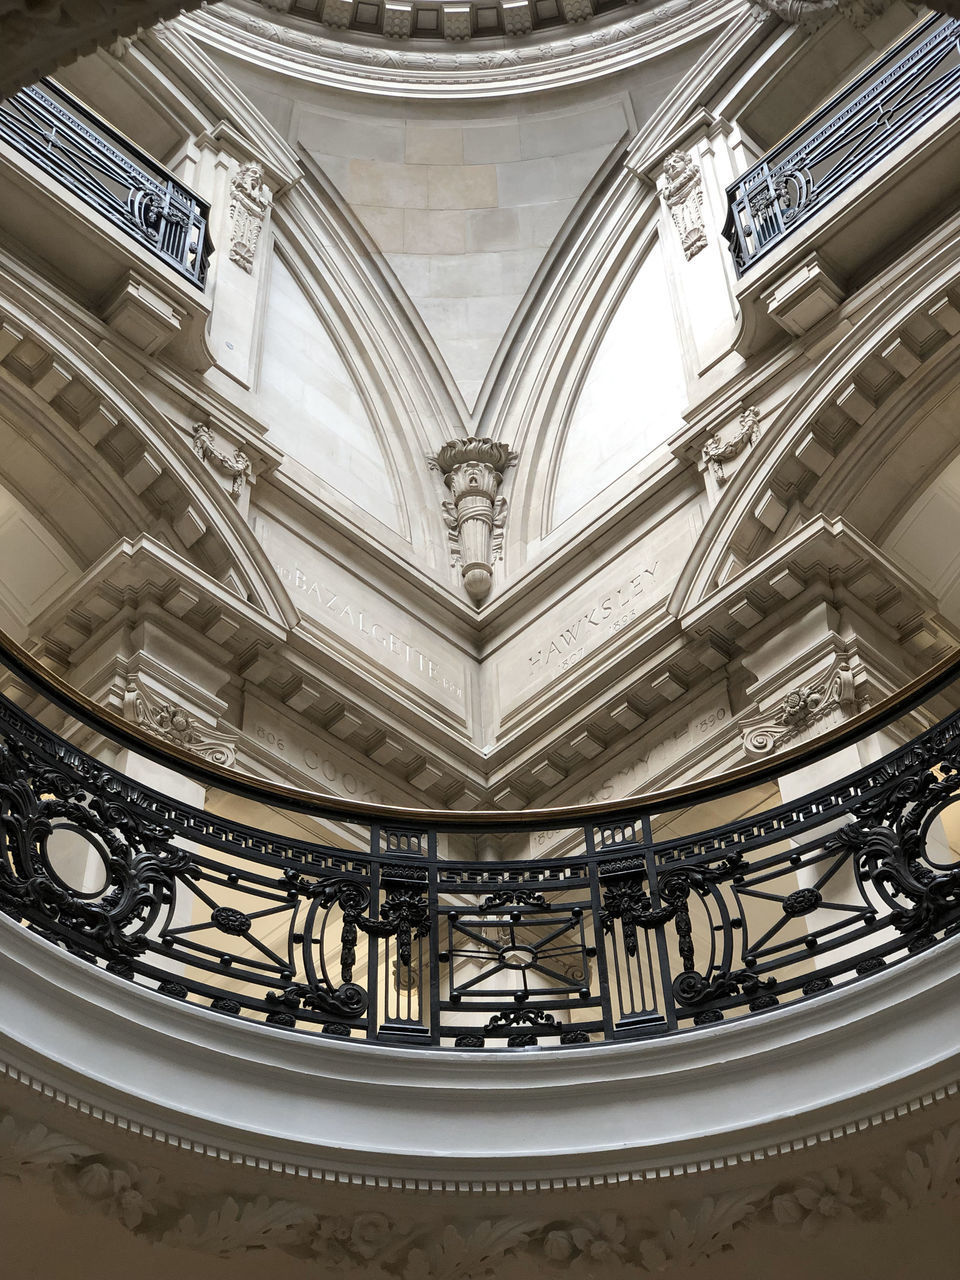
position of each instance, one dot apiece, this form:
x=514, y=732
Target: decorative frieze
x=720, y=449
x=473, y=471
x=236, y=467
x=802, y=708
x=178, y=727
x=250, y=200
x=683, y=196
x=146, y=1202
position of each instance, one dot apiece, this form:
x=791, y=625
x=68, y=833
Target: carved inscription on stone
x=301, y=750
x=596, y=614
x=648, y=764
x=365, y=619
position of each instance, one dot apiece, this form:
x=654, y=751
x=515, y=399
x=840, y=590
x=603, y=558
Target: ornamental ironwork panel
x=109, y=174
x=838, y=145
x=377, y=937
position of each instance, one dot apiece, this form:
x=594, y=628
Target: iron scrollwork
x=140, y=864
x=625, y=939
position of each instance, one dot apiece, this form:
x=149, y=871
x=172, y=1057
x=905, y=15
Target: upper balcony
x=122, y=233
x=484, y=1000
x=855, y=182
x=560, y=928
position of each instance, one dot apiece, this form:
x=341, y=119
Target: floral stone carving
x=149, y=1205
x=237, y=467
x=800, y=710
x=473, y=471
x=173, y=724
x=808, y=15
x=719, y=450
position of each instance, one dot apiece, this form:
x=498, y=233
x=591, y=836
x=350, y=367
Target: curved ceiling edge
x=391, y=68
x=816, y=1073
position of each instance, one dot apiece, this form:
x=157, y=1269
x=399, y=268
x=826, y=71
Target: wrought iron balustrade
x=844, y=140
x=388, y=929
x=105, y=171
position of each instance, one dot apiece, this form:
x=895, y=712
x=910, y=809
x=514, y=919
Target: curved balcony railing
x=489, y=930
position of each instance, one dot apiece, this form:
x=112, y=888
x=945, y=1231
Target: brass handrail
x=114, y=726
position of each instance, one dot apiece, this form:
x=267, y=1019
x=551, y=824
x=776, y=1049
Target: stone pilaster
x=473, y=471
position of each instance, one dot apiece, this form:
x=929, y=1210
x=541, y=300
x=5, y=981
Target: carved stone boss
x=249, y=201
x=802, y=708
x=473, y=471
x=174, y=725
x=237, y=467
x=683, y=195
x=718, y=450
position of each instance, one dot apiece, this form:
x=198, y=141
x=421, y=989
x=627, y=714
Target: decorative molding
x=802, y=708
x=808, y=15
x=719, y=450
x=683, y=196
x=171, y=723
x=552, y=58
x=237, y=468
x=148, y=1204
x=250, y=201
x=473, y=471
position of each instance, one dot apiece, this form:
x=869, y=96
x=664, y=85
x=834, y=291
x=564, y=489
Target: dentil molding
x=313, y=1107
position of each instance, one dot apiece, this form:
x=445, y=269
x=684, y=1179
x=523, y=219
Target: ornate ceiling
x=448, y=19
x=445, y=49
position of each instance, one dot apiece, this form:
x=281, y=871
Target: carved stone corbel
x=250, y=199
x=237, y=467
x=802, y=708
x=683, y=196
x=474, y=514
x=719, y=449
x=174, y=725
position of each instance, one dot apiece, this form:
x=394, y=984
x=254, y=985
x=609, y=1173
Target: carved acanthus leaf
x=35, y=1149
x=171, y=723
x=234, y=1226
x=802, y=708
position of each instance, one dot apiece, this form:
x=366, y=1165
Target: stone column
x=473, y=471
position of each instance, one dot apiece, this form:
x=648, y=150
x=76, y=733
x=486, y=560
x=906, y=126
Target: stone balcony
x=119, y=232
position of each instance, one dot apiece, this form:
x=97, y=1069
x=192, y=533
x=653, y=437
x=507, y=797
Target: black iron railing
x=104, y=170
x=575, y=927
x=844, y=140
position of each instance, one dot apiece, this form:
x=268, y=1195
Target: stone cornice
x=828, y=1068
x=36, y=38
x=291, y=46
